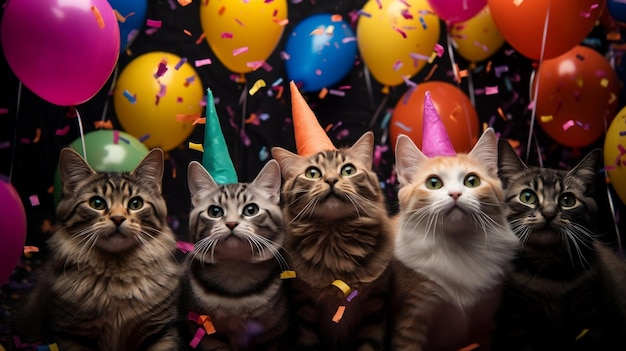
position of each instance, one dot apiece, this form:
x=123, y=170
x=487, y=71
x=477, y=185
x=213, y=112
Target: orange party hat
x=311, y=138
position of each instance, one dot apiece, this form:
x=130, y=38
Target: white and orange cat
x=453, y=247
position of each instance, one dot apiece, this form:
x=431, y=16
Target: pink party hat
x=311, y=138
x=435, y=140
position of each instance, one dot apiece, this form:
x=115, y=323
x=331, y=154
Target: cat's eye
x=348, y=170
x=135, y=203
x=97, y=203
x=471, y=181
x=250, y=210
x=215, y=211
x=313, y=173
x=434, y=183
x=567, y=200
x=528, y=196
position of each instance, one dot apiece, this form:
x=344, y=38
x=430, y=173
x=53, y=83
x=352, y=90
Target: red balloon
x=455, y=110
x=522, y=24
x=577, y=96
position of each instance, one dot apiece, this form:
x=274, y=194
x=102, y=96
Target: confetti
x=239, y=51
x=352, y=295
x=567, y=125
x=144, y=137
x=403, y=33
x=491, y=90
x=364, y=14
x=322, y=93
x=153, y=23
x=339, y=314
x=604, y=82
x=227, y=35
x=184, y=246
x=203, y=62
x=342, y=286
x=187, y=117
x=199, y=40
x=201, y=120
x=337, y=92
x=517, y=2
x=103, y=124
x=37, y=135
x=62, y=131
x=288, y=274
x=34, y=200
x=188, y=33
x=5, y=145
x=470, y=347
x=184, y=2
x=116, y=136
x=161, y=69
x=98, y=16
x=4, y=111
x=582, y=333
x=30, y=249
x=256, y=86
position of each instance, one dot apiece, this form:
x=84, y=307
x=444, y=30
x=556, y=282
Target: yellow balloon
x=477, y=38
x=158, y=95
x=243, y=33
x=614, y=154
x=396, y=38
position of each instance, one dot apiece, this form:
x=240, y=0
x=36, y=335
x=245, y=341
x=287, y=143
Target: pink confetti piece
x=197, y=337
x=180, y=63
x=439, y=49
x=285, y=56
x=491, y=90
x=4, y=111
x=318, y=72
x=62, y=131
x=336, y=92
x=567, y=125
x=184, y=246
x=348, y=40
x=403, y=33
x=397, y=65
x=162, y=90
x=161, y=69
x=227, y=35
x=240, y=51
x=406, y=14
x=239, y=22
x=254, y=65
x=154, y=23
x=116, y=137
x=203, y=62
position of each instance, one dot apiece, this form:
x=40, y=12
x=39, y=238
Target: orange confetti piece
x=317, y=31
x=501, y=113
x=199, y=40
x=187, y=32
x=29, y=249
x=432, y=71
x=336, y=18
x=184, y=2
x=206, y=322
x=322, y=93
x=37, y=135
x=98, y=16
x=103, y=124
x=201, y=120
x=339, y=314
x=250, y=119
x=470, y=347
x=221, y=10
x=280, y=92
x=187, y=117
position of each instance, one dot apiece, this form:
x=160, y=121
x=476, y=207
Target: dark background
x=31, y=165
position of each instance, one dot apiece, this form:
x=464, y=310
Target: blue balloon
x=617, y=9
x=133, y=14
x=321, y=51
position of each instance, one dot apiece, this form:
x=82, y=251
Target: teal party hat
x=216, y=158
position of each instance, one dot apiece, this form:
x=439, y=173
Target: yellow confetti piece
x=582, y=333
x=433, y=55
x=330, y=30
x=256, y=86
x=98, y=16
x=288, y=275
x=53, y=347
x=197, y=147
x=604, y=82
x=343, y=287
x=339, y=314
x=546, y=119
x=612, y=98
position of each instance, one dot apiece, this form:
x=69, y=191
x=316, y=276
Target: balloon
x=64, y=51
x=12, y=230
x=477, y=38
x=133, y=15
x=107, y=151
x=457, y=10
x=522, y=24
x=617, y=9
x=454, y=107
x=321, y=51
x=395, y=39
x=152, y=93
x=577, y=96
x=614, y=158
x=243, y=34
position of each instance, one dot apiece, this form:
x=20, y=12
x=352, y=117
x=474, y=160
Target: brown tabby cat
x=568, y=290
x=112, y=279
x=338, y=232
x=453, y=247
x=233, y=274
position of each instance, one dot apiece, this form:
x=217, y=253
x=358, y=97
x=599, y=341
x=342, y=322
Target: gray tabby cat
x=568, y=290
x=112, y=279
x=233, y=274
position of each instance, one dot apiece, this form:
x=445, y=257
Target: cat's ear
x=199, y=181
x=509, y=164
x=408, y=159
x=287, y=160
x=151, y=167
x=587, y=169
x=486, y=151
x=73, y=169
x=268, y=180
x=363, y=149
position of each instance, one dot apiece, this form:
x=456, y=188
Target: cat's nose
x=118, y=220
x=455, y=195
x=231, y=225
x=331, y=181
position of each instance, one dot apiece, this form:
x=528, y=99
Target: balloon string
x=455, y=68
x=243, y=100
x=612, y=206
x=368, y=84
x=106, y=101
x=534, y=96
x=17, y=119
x=383, y=103
x=82, y=134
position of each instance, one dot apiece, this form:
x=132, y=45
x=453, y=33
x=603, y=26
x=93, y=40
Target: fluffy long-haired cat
x=233, y=275
x=453, y=247
x=568, y=289
x=340, y=242
x=112, y=279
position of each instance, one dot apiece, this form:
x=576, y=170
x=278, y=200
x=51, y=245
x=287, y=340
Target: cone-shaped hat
x=311, y=138
x=435, y=140
x=216, y=158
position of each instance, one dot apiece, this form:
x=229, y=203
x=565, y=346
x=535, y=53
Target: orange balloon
x=522, y=24
x=455, y=110
x=577, y=96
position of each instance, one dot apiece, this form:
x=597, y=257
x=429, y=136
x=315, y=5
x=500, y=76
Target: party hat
x=310, y=137
x=435, y=140
x=216, y=158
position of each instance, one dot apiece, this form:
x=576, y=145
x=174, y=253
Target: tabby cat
x=233, y=274
x=568, y=289
x=453, y=247
x=112, y=278
x=340, y=242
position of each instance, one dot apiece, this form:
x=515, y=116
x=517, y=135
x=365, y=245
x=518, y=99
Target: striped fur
x=112, y=279
x=337, y=228
x=453, y=249
x=233, y=274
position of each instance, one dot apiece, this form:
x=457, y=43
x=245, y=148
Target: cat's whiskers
x=271, y=246
x=202, y=247
x=149, y=232
x=309, y=207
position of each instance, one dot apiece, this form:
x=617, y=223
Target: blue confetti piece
x=180, y=63
x=144, y=137
x=130, y=97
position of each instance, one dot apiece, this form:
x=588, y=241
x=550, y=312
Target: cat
x=453, y=247
x=112, y=278
x=340, y=243
x=567, y=290
x=233, y=275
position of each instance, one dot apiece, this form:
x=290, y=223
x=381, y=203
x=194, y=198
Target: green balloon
x=107, y=151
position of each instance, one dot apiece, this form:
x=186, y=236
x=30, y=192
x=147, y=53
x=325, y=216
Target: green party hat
x=216, y=158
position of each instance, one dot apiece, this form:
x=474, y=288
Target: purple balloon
x=12, y=230
x=64, y=51
x=456, y=10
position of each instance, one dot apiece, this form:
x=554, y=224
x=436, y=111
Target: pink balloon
x=457, y=10
x=64, y=51
x=12, y=230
